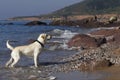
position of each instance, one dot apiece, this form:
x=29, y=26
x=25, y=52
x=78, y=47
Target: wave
x=66, y=34
x=94, y=29
x=61, y=37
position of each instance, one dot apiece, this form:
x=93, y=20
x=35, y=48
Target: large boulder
x=34, y=23
x=85, y=41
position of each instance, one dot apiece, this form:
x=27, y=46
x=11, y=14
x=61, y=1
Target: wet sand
x=113, y=71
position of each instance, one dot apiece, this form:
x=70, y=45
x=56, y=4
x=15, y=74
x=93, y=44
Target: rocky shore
x=88, y=21
x=91, y=56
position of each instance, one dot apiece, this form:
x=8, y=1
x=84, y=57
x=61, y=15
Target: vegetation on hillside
x=90, y=7
x=85, y=7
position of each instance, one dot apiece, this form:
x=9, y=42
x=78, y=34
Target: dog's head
x=44, y=37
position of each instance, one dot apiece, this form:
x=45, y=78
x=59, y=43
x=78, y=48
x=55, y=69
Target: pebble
x=52, y=77
x=32, y=77
x=39, y=71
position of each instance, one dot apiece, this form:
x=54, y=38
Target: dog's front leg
x=36, y=61
x=36, y=58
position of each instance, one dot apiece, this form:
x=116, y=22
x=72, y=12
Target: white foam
x=64, y=45
x=52, y=48
x=67, y=34
x=94, y=29
x=61, y=37
x=58, y=31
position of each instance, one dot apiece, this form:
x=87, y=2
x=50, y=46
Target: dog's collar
x=40, y=43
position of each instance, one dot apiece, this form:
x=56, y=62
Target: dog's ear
x=43, y=36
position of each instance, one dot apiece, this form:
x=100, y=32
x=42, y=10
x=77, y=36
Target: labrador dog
x=32, y=49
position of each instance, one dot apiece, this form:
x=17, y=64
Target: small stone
x=39, y=71
x=31, y=77
x=52, y=78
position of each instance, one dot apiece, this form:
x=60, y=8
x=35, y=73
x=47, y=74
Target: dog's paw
x=33, y=67
x=11, y=66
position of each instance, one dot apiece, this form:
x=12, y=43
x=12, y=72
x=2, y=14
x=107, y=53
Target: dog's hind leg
x=14, y=62
x=16, y=56
x=9, y=62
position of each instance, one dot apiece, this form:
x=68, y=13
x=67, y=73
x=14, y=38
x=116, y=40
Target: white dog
x=32, y=49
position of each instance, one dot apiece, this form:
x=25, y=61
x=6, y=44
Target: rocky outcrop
x=85, y=41
x=35, y=23
x=92, y=21
x=102, y=49
x=95, y=58
x=63, y=23
x=111, y=35
x=87, y=22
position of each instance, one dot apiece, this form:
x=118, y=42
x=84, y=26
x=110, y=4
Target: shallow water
x=76, y=75
x=19, y=34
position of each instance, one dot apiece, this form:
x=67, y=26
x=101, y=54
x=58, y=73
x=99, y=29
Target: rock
x=91, y=21
x=86, y=22
x=8, y=24
x=112, y=19
x=63, y=23
x=32, y=77
x=111, y=35
x=52, y=78
x=117, y=28
x=106, y=32
x=85, y=41
x=110, y=38
x=101, y=64
x=39, y=71
x=100, y=40
x=83, y=23
x=34, y=23
x=117, y=51
x=93, y=64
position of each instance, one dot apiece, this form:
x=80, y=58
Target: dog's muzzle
x=49, y=37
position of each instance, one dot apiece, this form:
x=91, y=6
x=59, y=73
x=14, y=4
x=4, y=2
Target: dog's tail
x=9, y=46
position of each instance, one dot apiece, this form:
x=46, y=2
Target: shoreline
x=72, y=17
x=87, y=60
